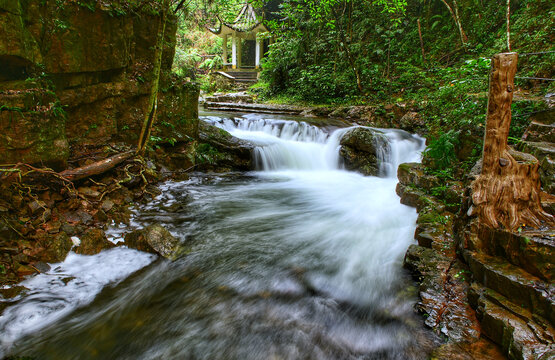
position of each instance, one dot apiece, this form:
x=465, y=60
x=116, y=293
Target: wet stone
x=36, y=206
x=93, y=242
x=68, y=229
x=58, y=246
x=42, y=266
x=107, y=205
x=12, y=291
x=153, y=239
x=89, y=192
x=359, y=150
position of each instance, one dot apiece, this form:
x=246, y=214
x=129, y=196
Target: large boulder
x=413, y=122
x=220, y=150
x=360, y=149
x=154, y=239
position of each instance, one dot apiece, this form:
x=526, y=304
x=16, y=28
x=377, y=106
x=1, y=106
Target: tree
x=454, y=10
x=150, y=114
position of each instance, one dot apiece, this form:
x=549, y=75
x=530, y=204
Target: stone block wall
x=80, y=72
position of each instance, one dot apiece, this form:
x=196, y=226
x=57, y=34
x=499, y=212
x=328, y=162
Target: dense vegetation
x=370, y=52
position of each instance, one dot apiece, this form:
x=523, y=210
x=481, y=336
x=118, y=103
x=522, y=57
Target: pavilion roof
x=246, y=21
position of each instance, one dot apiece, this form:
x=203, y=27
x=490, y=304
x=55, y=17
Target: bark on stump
x=508, y=190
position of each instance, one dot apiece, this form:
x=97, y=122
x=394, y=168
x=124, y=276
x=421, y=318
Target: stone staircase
x=479, y=284
x=523, y=325
x=513, y=289
x=245, y=77
x=539, y=140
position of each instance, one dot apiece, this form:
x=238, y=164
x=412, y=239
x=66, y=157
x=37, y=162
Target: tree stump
x=508, y=191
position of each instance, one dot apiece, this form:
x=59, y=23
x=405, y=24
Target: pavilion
x=247, y=49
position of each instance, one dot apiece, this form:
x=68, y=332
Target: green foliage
x=60, y=25
x=206, y=154
x=212, y=63
x=58, y=110
x=442, y=149
x=91, y=5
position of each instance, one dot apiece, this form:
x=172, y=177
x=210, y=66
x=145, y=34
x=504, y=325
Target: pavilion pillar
x=224, y=45
x=239, y=52
x=258, y=53
x=234, y=51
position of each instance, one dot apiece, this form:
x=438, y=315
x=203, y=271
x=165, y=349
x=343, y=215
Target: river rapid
x=299, y=259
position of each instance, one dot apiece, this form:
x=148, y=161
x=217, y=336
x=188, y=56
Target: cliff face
x=80, y=72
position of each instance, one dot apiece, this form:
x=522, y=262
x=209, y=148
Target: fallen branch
x=96, y=168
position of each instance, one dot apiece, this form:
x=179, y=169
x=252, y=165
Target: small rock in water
x=42, y=266
x=153, y=239
x=12, y=291
x=93, y=242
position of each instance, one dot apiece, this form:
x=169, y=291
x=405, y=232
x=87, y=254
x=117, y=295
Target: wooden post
x=508, y=190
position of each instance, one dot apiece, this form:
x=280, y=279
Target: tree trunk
x=508, y=190
x=454, y=11
x=150, y=115
x=96, y=168
x=421, y=41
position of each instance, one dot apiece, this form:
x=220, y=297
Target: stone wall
x=80, y=72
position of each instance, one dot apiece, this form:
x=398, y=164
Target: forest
x=277, y=179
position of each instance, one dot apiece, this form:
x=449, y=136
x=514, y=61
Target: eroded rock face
x=359, y=150
x=32, y=128
x=75, y=72
x=154, y=239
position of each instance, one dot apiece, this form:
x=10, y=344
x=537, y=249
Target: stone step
x=259, y=108
x=241, y=97
x=545, y=153
x=520, y=334
x=250, y=81
x=539, y=132
x=514, y=283
x=443, y=293
x=243, y=75
x=527, y=248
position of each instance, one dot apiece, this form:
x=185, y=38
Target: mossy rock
x=359, y=150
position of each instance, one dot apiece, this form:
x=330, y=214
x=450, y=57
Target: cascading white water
x=301, y=259
x=288, y=145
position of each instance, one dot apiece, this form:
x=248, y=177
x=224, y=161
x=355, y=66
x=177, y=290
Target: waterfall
x=297, y=145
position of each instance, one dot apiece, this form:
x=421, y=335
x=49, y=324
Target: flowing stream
x=297, y=260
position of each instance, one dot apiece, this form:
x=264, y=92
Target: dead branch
x=96, y=168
